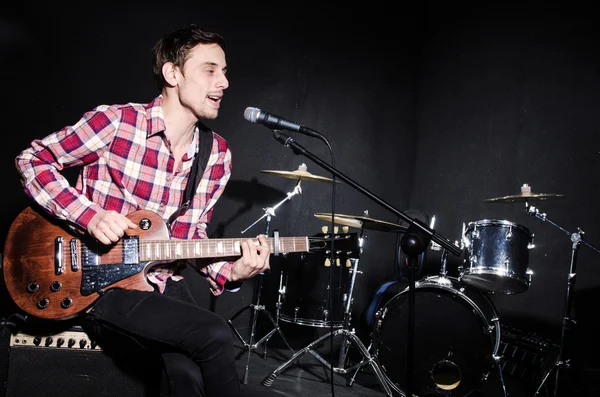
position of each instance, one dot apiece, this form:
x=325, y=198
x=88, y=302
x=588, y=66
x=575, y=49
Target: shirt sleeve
x=40, y=165
x=216, y=274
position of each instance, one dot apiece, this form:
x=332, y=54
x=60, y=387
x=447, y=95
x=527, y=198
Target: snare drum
x=497, y=256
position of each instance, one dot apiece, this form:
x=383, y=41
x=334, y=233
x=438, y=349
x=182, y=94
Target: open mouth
x=215, y=99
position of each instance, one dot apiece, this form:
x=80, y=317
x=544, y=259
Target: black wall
x=431, y=108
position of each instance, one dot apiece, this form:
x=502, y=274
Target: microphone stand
x=576, y=239
x=414, y=242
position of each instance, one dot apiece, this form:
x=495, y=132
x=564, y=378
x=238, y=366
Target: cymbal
x=362, y=222
x=301, y=173
x=525, y=195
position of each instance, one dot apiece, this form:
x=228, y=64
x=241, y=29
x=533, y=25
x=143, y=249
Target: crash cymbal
x=362, y=222
x=525, y=195
x=301, y=173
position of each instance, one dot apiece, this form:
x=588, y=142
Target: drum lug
x=473, y=260
x=531, y=244
x=509, y=234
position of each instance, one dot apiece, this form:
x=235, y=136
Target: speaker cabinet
x=69, y=363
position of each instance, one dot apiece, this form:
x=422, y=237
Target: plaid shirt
x=127, y=166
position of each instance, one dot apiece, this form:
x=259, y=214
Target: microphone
x=258, y=116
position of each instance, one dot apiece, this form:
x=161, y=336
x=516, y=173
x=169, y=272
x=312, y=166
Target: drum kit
x=453, y=312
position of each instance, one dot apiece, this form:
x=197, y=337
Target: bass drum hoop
x=445, y=284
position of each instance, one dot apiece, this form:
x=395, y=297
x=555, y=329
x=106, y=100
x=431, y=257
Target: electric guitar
x=52, y=273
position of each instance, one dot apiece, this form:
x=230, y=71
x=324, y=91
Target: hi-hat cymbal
x=362, y=222
x=525, y=195
x=301, y=173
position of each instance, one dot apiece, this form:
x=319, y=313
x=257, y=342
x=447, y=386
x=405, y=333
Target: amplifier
x=62, y=340
x=70, y=363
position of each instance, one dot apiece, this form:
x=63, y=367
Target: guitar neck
x=155, y=250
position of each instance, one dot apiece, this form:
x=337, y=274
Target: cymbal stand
x=576, y=238
x=256, y=307
x=348, y=337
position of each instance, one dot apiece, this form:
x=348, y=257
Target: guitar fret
x=212, y=248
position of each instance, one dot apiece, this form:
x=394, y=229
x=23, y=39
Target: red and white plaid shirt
x=127, y=166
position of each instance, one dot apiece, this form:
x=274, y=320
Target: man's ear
x=169, y=71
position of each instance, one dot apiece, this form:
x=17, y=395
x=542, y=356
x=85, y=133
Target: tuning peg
x=327, y=262
x=336, y=229
x=348, y=263
x=345, y=229
x=324, y=229
x=337, y=262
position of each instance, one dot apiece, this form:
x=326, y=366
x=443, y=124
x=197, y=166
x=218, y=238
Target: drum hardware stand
x=348, y=337
x=257, y=307
x=576, y=238
x=414, y=242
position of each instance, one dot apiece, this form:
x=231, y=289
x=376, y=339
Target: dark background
x=433, y=108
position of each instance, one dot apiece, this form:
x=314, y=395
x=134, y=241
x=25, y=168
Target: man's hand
x=109, y=226
x=254, y=260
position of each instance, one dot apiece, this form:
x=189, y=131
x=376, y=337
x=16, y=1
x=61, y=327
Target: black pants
x=196, y=344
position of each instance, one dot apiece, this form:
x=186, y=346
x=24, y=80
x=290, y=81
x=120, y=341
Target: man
x=140, y=156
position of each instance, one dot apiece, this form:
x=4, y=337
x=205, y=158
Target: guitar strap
x=200, y=161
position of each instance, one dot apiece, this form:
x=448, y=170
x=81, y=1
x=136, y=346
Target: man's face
x=202, y=80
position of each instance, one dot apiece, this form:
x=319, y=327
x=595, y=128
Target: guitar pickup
x=74, y=257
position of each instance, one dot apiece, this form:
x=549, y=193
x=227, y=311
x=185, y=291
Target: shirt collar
x=156, y=124
x=155, y=116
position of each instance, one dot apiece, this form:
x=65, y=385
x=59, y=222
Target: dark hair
x=176, y=46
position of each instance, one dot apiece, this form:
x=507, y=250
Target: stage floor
x=307, y=376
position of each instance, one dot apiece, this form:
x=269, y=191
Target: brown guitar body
x=51, y=273
x=30, y=264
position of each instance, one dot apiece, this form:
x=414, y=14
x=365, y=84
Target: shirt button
x=162, y=203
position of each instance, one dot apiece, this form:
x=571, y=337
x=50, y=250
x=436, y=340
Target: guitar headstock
x=345, y=245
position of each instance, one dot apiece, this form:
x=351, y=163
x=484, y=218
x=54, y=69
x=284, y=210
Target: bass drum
x=456, y=338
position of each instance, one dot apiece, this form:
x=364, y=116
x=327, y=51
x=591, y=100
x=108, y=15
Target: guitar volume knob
x=33, y=287
x=55, y=286
x=43, y=303
x=66, y=303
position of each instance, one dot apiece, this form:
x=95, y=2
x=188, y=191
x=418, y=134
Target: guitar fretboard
x=150, y=250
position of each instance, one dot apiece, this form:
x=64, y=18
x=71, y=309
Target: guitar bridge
x=59, y=264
